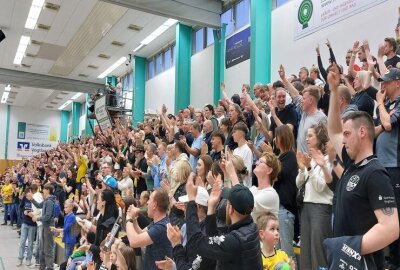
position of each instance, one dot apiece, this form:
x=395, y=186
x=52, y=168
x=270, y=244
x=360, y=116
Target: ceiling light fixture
x=65, y=105
x=111, y=68
x=23, y=44
x=7, y=88
x=77, y=95
x=156, y=33
x=34, y=13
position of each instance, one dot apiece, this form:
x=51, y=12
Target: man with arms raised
x=365, y=203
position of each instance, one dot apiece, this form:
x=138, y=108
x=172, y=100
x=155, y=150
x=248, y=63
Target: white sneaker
x=19, y=263
x=28, y=263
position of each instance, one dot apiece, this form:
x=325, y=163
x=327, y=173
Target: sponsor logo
x=305, y=12
x=351, y=252
x=353, y=181
x=23, y=146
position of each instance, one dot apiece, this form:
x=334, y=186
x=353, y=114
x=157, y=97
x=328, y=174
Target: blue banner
x=237, y=48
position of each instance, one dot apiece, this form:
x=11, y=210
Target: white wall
x=202, y=78
x=30, y=116
x=236, y=76
x=373, y=24
x=3, y=121
x=161, y=90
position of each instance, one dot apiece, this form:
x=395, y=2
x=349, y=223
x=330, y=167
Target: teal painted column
x=76, y=113
x=183, y=57
x=260, y=46
x=219, y=61
x=64, y=126
x=139, y=90
x=88, y=129
x=7, y=131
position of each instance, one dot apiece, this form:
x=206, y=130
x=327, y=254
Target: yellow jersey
x=82, y=167
x=7, y=193
x=275, y=261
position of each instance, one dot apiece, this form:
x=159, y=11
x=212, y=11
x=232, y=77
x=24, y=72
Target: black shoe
x=3, y=224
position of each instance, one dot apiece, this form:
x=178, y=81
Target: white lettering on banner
x=313, y=15
x=351, y=252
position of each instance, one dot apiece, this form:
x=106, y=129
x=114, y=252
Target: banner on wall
x=237, y=48
x=34, y=139
x=313, y=15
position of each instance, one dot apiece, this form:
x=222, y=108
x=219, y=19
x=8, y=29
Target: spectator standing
x=388, y=142
x=358, y=195
x=7, y=193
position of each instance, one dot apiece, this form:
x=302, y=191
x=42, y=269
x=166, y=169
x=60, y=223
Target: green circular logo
x=305, y=12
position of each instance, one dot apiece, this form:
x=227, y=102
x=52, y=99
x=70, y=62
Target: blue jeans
x=286, y=229
x=69, y=248
x=7, y=209
x=36, y=249
x=27, y=232
x=13, y=213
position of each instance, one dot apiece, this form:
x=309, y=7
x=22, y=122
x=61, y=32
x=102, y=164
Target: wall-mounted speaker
x=2, y=36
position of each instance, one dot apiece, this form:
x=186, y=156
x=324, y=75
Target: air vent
x=117, y=43
x=31, y=55
x=135, y=27
x=35, y=42
x=25, y=65
x=104, y=56
x=83, y=75
x=9, y=102
x=64, y=93
x=57, y=98
x=16, y=86
x=51, y=6
x=43, y=27
x=93, y=66
x=13, y=92
x=54, y=103
x=49, y=107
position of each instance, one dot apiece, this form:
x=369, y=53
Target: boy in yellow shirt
x=273, y=259
x=6, y=193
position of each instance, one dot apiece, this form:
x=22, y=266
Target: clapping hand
x=167, y=264
x=174, y=234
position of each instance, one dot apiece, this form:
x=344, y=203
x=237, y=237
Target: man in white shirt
x=38, y=197
x=239, y=136
x=126, y=183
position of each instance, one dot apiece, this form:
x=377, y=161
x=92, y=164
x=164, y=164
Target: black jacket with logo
x=238, y=249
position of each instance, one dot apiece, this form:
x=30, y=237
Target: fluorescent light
x=7, y=88
x=159, y=31
x=111, y=68
x=23, y=44
x=4, y=97
x=65, y=105
x=34, y=13
x=76, y=96
x=138, y=47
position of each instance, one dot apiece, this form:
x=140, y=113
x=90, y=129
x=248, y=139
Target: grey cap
x=391, y=75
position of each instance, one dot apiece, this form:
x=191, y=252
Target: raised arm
x=320, y=65
x=288, y=85
x=334, y=118
x=355, y=50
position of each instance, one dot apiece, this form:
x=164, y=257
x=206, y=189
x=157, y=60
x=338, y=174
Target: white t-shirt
x=38, y=197
x=124, y=184
x=247, y=155
x=266, y=199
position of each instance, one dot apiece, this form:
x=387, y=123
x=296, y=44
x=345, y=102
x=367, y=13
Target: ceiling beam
x=195, y=12
x=16, y=77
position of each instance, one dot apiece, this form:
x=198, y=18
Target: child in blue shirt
x=69, y=238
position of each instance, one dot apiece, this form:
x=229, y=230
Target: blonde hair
x=240, y=168
x=364, y=77
x=264, y=218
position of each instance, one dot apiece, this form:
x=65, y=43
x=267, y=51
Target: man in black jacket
x=239, y=248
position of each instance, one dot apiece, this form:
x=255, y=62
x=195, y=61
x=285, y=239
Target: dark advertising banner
x=237, y=48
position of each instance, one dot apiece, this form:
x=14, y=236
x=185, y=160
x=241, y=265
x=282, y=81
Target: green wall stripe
x=183, y=56
x=64, y=126
x=260, y=47
x=139, y=90
x=76, y=113
x=88, y=130
x=219, y=61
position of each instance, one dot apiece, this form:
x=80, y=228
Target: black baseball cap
x=240, y=197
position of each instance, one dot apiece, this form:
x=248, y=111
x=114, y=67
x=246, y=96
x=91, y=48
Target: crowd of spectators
x=311, y=160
